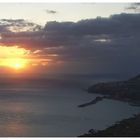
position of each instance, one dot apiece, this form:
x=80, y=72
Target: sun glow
x=16, y=63
x=17, y=66
x=13, y=57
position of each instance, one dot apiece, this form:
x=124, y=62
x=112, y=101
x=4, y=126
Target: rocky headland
x=128, y=91
x=94, y=101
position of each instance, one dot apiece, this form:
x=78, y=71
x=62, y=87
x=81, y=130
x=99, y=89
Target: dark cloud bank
x=106, y=45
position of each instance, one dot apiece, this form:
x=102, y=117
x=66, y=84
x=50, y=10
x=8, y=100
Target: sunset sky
x=40, y=13
x=70, y=38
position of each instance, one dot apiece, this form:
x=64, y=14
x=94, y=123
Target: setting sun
x=18, y=66
x=16, y=63
x=13, y=57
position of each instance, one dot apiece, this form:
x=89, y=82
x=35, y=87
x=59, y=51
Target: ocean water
x=50, y=108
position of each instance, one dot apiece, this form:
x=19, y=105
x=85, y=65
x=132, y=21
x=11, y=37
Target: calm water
x=50, y=109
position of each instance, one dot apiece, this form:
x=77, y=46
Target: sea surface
x=49, y=107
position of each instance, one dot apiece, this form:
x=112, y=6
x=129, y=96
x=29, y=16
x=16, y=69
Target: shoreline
x=94, y=101
x=100, y=98
x=129, y=127
x=125, y=91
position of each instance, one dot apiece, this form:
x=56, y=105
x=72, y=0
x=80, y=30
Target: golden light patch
x=13, y=51
x=20, y=59
x=16, y=63
x=13, y=57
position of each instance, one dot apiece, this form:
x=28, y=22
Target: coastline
x=125, y=91
x=126, y=128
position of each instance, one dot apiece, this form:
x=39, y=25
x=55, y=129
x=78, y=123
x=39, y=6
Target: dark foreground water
x=49, y=108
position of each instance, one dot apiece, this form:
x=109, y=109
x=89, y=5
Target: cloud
x=17, y=25
x=133, y=7
x=51, y=11
x=117, y=27
x=92, y=45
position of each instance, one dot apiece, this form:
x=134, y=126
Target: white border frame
x=69, y=1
